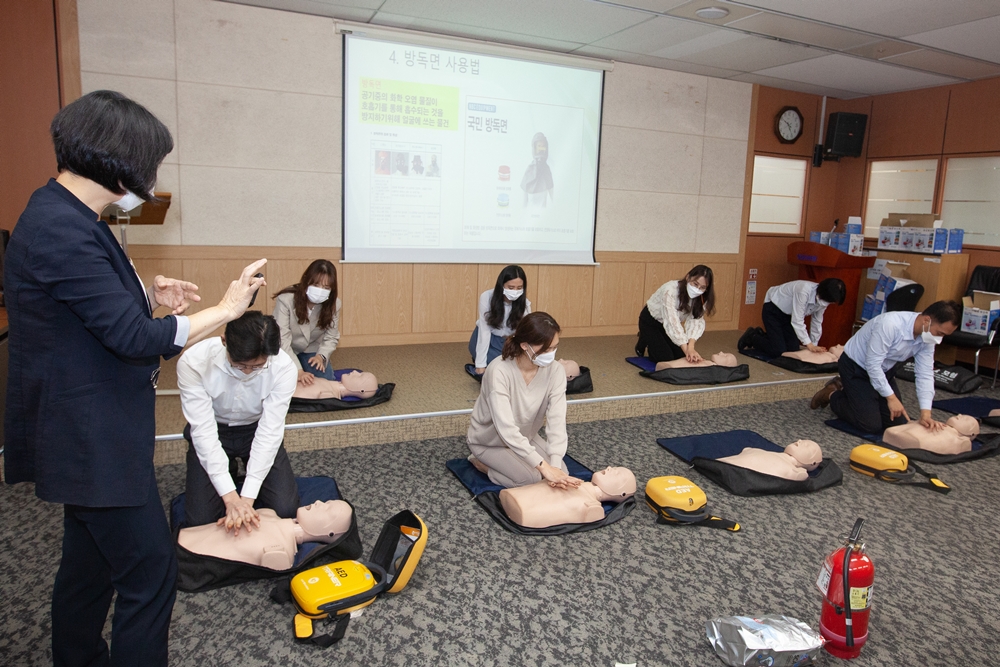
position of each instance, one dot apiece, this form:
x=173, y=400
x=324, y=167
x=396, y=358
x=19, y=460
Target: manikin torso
x=794, y=463
x=275, y=543
x=540, y=505
x=355, y=383
x=831, y=356
x=955, y=438
x=718, y=359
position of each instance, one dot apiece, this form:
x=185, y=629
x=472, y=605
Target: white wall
x=253, y=99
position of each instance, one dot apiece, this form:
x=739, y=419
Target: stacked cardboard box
x=851, y=241
x=981, y=309
x=889, y=280
x=918, y=232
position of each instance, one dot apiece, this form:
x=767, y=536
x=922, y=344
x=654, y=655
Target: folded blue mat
x=756, y=354
x=643, y=363
x=842, y=425
x=703, y=452
x=471, y=370
x=974, y=406
x=477, y=482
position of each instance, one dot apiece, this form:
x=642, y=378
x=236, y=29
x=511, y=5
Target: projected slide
x=458, y=157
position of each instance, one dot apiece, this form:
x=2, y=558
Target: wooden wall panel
x=767, y=254
x=282, y=273
x=213, y=279
x=769, y=102
x=382, y=298
x=567, y=294
x=725, y=281
x=618, y=293
x=972, y=118
x=907, y=124
x=68, y=50
x=444, y=297
x=488, y=279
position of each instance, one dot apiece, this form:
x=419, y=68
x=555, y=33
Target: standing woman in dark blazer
x=84, y=359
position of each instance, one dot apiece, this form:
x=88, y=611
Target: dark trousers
x=124, y=550
x=858, y=403
x=655, y=341
x=779, y=336
x=202, y=503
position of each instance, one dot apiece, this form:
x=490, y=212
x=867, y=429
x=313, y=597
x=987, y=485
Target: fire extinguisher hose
x=852, y=541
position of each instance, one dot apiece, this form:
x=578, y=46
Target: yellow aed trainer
x=332, y=592
x=679, y=501
x=889, y=465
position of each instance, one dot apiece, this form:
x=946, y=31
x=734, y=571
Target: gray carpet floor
x=631, y=592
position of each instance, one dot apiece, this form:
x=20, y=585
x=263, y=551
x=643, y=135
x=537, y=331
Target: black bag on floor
x=954, y=379
x=745, y=482
x=382, y=395
x=581, y=384
x=700, y=375
x=799, y=366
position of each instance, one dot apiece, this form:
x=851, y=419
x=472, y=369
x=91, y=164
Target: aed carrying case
x=678, y=501
x=893, y=466
x=327, y=595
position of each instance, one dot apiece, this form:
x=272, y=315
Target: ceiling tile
x=654, y=35
x=653, y=61
x=978, y=39
x=800, y=86
x=455, y=30
x=355, y=10
x=743, y=52
x=806, y=32
x=565, y=20
x=947, y=64
x=735, y=11
x=883, y=49
x=850, y=73
x=894, y=18
x=661, y=6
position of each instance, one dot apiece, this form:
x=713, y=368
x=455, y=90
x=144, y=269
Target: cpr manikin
x=831, y=356
x=355, y=383
x=955, y=438
x=275, y=542
x=539, y=505
x=572, y=368
x=717, y=359
x=794, y=463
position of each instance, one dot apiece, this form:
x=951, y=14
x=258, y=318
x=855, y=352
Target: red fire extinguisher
x=846, y=584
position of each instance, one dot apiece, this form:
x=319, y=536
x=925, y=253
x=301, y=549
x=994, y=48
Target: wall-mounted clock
x=788, y=125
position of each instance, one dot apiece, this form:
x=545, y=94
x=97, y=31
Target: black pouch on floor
x=954, y=379
x=581, y=384
x=197, y=573
x=382, y=395
x=799, y=366
x=700, y=374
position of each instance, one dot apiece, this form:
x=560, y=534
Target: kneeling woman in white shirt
x=674, y=317
x=308, y=314
x=499, y=311
x=521, y=390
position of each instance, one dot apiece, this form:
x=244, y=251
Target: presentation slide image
x=522, y=172
x=405, y=202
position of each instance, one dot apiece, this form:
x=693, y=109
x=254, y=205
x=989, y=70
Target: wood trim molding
x=249, y=253
x=68, y=51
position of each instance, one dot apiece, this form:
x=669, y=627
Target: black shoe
x=640, y=348
x=745, y=339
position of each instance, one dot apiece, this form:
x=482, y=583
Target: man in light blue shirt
x=865, y=395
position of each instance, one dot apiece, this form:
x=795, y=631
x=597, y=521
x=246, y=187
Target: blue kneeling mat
x=196, y=573
x=487, y=494
x=851, y=429
x=381, y=395
x=756, y=354
x=702, y=452
x=987, y=444
x=690, y=376
x=974, y=406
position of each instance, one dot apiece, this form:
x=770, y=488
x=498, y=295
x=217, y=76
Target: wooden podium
x=818, y=262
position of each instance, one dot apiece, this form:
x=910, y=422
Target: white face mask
x=929, y=338
x=129, y=201
x=513, y=294
x=694, y=292
x=544, y=359
x=317, y=294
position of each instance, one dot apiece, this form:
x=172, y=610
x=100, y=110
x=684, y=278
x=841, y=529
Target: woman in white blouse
x=674, y=317
x=308, y=315
x=522, y=390
x=499, y=312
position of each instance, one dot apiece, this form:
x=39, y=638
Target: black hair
x=703, y=305
x=832, y=290
x=316, y=270
x=945, y=312
x=535, y=329
x=495, y=317
x=252, y=335
x=111, y=140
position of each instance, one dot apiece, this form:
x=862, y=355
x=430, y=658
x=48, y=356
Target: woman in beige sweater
x=523, y=389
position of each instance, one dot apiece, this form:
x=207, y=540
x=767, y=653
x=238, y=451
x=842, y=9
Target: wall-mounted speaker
x=845, y=135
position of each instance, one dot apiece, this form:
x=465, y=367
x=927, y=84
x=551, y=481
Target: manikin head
x=324, y=521
x=724, y=359
x=615, y=484
x=806, y=452
x=360, y=383
x=966, y=425
x=572, y=368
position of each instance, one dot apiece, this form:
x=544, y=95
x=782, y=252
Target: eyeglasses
x=246, y=368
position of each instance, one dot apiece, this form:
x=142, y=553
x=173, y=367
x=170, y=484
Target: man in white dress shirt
x=786, y=308
x=235, y=392
x=865, y=395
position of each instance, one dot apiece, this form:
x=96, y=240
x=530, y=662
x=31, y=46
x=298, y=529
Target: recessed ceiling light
x=712, y=13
